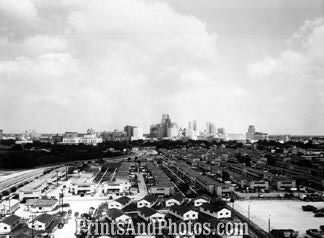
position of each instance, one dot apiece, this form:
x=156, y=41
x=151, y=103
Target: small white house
x=9, y=223
x=184, y=213
x=215, y=211
x=174, y=200
x=148, y=201
x=41, y=222
x=118, y=216
x=119, y=203
x=199, y=201
x=41, y=205
x=9, y=206
x=150, y=215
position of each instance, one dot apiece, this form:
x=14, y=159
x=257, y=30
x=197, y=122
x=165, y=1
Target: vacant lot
x=283, y=214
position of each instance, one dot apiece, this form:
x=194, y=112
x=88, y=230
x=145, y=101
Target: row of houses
x=257, y=179
x=162, y=185
x=175, y=207
x=207, y=183
x=40, y=223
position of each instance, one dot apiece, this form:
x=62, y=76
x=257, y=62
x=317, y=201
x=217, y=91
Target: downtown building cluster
x=166, y=129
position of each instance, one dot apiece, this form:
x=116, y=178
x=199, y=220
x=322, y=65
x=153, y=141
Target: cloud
x=75, y=64
x=99, y=63
x=294, y=80
x=21, y=9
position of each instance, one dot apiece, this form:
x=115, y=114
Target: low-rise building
x=176, y=199
x=118, y=216
x=115, y=186
x=83, y=184
x=261, y=184
x=184, y=213
x=41, y=222
x=44, y=204
x=200, y=200
x=9, y=206
x=119, y=203
x=283, y=183
x=163, y=185
x=148, y=201
x=9, y=223
x=150, y=215
x=86, y=139
x=216, y=211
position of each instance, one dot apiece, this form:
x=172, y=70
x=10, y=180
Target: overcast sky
x=76, y=64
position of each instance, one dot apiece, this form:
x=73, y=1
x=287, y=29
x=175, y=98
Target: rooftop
x=10, y=220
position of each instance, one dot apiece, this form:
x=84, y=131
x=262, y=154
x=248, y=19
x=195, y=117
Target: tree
x=226, y=176
x=13, y=189
x=183, y=187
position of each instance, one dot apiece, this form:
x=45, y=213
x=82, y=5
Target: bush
x=13, y=189
x=5, y=193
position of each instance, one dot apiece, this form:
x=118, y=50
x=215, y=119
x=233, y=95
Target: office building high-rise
x=221, y=131
x=250, y=133
x=165, y=124
x=210, y=129
x=129, y=130
x=192, y=125
x=137, y=133
x=1, y=134
x=251, y=129
x=165, y=129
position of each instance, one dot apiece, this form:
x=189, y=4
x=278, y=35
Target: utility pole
x=32, y=234
x=269, y=227
x=56, y=178
x=61, y=200
x=249, y=212
x=9, y=205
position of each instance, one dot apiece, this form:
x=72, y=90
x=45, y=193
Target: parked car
x=309, y=208
x=313, y=233
x=319, y=214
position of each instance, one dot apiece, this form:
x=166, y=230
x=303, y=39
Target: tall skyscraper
x=155, y=131
x=137, y=133
x=129, y=130
x=210, y=128
x=221, y=131
x=250, y=133
x=251, y=129
x=1, y=134
x=165, y=124
x=166, y=129
x=192, y=125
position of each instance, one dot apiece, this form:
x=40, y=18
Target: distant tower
x=250, y=133
x=165, y=125
x=192, y=125
x=251, y=129
x=210, y=128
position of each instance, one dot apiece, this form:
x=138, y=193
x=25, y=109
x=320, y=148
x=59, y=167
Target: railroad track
x=21, y=178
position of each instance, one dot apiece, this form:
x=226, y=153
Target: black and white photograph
x=162, y=118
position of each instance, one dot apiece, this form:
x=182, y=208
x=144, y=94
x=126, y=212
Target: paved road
x=141, y=186
x=6, y=182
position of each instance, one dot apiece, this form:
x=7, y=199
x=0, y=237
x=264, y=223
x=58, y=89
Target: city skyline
x=105, y=64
